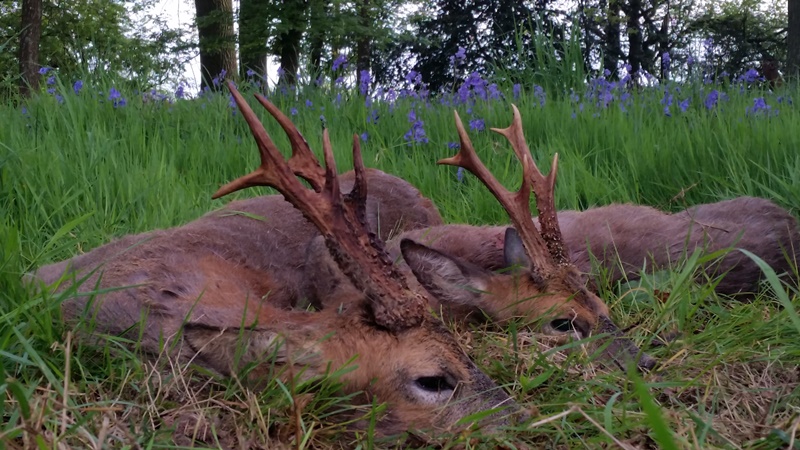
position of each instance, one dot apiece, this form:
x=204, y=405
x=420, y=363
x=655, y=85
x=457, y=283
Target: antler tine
x=516, y=204
x=342, y=221
x=303, y=162
x=543, y=187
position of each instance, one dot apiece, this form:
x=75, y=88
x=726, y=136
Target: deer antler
x=340, y=219
x=546, y=249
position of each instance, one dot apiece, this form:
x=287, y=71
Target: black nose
x=646, y=362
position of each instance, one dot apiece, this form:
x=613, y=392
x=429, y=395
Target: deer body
x=220, y=288
x=624, y=238
x=264, y=237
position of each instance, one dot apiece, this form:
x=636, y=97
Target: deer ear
x=447, y=278
x=514, y=252
x=228, y=350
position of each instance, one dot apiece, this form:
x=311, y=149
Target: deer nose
x=646, y=362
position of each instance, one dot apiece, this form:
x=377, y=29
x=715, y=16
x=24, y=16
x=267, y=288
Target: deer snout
x=621, y=350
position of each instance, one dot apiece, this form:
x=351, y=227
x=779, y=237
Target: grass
x=76, y=174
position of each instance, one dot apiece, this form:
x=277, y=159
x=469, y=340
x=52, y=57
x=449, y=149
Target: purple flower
x=309, y=103
x=690, y=61
x=477, y=125
x=606, y=73
x=665, y=60
x=179, y=93
x=24, y=111
x=293, y=111
x=59, y=98
x=51, y=91
x=373, y=116
x=667, y=99
x=51, y=80
x=416, y=134
x=517, y=90
x=750, y=76
x=338, y=81
x=322, y=118
x=340, y=62
x=364, y=80
x=712, y=99
x=460, y=174
x=684, y=105
x=231, y=101
x=453, y=145
x=281, y=72
x=411, y=77
x=364, y=136
x=540, y=95
x=44, y=70
x=461, y=53
x=116, y=97
x=760, y=106
x=250, y=73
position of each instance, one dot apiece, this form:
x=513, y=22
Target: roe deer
x=548, y=286
x=265, y=235
x=405, y=356
x=770, y=72
x=624, y=238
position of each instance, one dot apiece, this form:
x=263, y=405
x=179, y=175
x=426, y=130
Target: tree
x=793, y=39
x=253, y=35
x=29, y=37
x=216, y=39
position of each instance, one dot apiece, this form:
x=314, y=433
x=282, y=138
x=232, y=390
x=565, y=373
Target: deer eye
x=434, y=384
x=562, y=325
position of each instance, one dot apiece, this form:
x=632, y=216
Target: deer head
x=405, y=356
x=546, y=285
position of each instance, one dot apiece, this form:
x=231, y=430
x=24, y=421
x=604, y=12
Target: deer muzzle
x=623, y=351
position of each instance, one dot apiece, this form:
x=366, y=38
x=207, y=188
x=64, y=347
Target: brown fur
x=273, y=249
x=771, y=73
x=220, y=288
x=623, y=237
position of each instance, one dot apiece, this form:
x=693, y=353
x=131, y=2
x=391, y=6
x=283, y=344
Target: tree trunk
x=253, y=36
x=635, y=40
x=217, y=40
x=613, y=48
x=793, y=40
x=317, y=32
x=288, y=42
x=29, y=46
x=363, y=44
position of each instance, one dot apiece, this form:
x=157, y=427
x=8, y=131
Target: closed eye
x=434, y=384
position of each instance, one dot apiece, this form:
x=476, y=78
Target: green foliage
x=97, y=38
x=73, y=175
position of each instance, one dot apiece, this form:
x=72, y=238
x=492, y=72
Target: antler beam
x=546, y=249
x=340, y=219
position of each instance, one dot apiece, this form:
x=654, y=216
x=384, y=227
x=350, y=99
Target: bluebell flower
x=179, y=93
x=665, y=60
x=711, y=99
x=540, y=95
x=517, y=90
x=461, y=53
x=453, y=145
x=684, y=105
x=460, y=174
x=373, y=116
x=364, y=136
x=340, y=62
x=477, y=125
x=416, y=134
x=750, y=76
x=690, y=61
x=77, y=86
x=338, y=81
x=494, y=92
x=293, y=111
x=250, y=73
x=24, y=110
x=411, y=76
x=116, y=97
x=44, y=70
x=281, y=72
x=364, y=81
x=51, y=91
x=606, y=73
x=51, y=80
x=309, y=103
x=760, y=107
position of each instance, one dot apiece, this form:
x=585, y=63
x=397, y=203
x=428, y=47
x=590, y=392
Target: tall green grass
x=76, y=174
